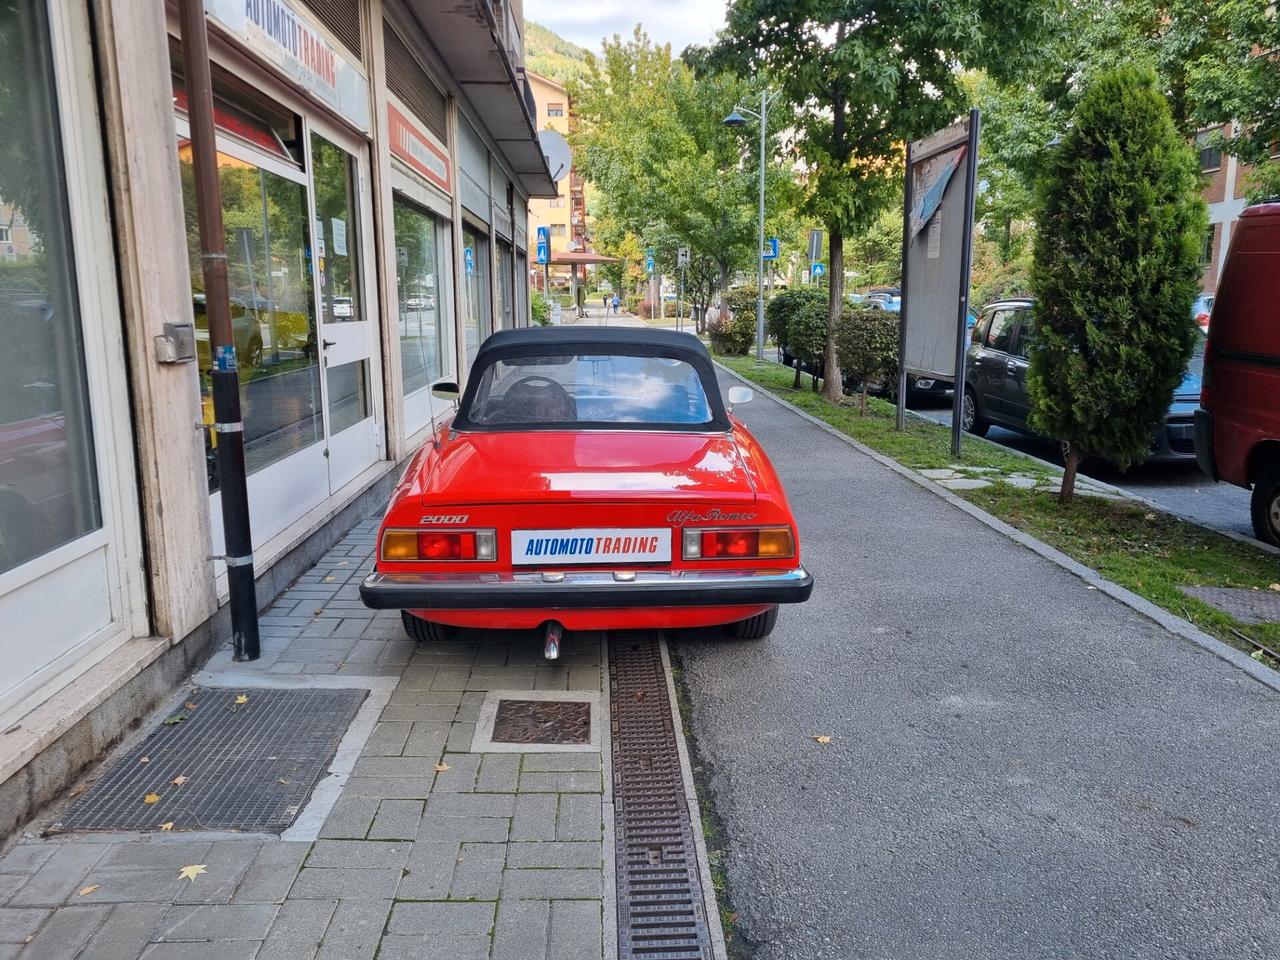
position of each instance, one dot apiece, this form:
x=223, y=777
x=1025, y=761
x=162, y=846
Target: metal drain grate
x=661, y=915
x=1247, y=606
x=239, y=766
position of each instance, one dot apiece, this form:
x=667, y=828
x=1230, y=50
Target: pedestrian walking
x=616, y=301
x=604, y=303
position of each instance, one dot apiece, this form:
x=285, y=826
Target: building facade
x=376, y=159
x=1228, y=184
x=565, y=216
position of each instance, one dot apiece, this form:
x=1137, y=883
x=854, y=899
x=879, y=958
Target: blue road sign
x=544, y=235
x=648, y=263
x=770, y=251
x=469, y=256
x=544, y=252
x=816, y=270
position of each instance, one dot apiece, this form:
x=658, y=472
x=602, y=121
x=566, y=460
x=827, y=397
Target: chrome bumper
x=583, y=589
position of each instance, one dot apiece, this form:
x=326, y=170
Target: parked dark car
x=996, y=383
x=1238, y=429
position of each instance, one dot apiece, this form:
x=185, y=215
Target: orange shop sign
x=414, y=146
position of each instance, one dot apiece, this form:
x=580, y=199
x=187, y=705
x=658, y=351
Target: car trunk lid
x=630, y=465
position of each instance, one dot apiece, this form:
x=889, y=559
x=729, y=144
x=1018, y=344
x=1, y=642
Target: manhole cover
x=1247, y=606
x=542, y=721
x=240, y=760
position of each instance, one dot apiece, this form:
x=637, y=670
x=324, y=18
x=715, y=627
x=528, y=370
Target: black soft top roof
x=538, y=339
x=589, y=340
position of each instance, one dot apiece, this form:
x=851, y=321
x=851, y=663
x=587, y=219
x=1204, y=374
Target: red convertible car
x=590, y=479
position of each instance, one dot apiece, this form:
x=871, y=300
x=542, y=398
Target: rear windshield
x=615, y=388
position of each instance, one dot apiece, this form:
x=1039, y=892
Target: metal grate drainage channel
x=661, y=914
x=238, y=759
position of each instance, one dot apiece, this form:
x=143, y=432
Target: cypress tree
x=1120, y=232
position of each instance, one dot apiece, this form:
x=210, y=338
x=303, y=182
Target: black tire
x=1265, y=505
x=754, y=628
x=970, y=420
x=425, y=631
x=253, y=356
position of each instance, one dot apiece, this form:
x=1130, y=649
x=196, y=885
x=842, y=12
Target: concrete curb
x=1174, y=624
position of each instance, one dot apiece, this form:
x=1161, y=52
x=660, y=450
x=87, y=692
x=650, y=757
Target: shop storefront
x=69, y=538
x=294, y=167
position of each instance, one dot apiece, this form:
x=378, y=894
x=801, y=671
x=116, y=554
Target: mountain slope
x=549, y=54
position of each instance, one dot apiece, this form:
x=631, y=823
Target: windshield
x=615, y=388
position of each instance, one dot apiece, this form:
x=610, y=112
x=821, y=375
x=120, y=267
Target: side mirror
x=737, y=395
x=446, y=390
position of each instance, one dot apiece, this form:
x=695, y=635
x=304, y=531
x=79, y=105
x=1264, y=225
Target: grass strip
x=1148, y=552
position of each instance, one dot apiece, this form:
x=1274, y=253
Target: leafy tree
x=807, y=337
x=875, y=254
x=1116, y=270
x=860, y=79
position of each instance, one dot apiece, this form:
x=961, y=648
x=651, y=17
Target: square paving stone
x=221, y=921
x=298, y=930
x=359, y=854
x=67, y=931
x=575, y=929
x=521, y=930
x=319, y=883
x=458, y=947
x=18, y=923
x=397, y=820
x=551, y=884
x=355, y=930
x=272, y=873
x=441, y=919
x=554, y=854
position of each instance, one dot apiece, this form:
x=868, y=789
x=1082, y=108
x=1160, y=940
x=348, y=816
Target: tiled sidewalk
x=430, y=851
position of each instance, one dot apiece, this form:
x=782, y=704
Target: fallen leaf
x=330, y=579
x=1149, y=516
x=151, y=798
x=284, y=781
x=145, y=760
x=191, y=871
x=190, y=706
x=441, y=767
x=166, y=827
x=242, y=698
x=821, y=738
x=175, y=719
x=1275, y=587
x=639, y=694
x=85, y=891
x=179, y=780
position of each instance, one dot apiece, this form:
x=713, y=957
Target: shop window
x=506, y=310
x=477, y=315
x=338, y=248
x=48, y=482
x=421, y=268
x=272, y=314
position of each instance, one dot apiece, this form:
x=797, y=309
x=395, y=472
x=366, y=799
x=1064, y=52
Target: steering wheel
x=539, y=398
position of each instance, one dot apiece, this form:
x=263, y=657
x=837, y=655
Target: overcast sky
x=586, y=22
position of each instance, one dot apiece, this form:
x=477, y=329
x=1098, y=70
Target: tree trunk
x=1073, y=458
x=724, y=289
x=832, y=388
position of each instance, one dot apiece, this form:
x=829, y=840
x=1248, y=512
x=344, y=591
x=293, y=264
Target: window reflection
x=420, y=267
x=333, y=174
x=476, y=306
x=272, y=316
x=48, y=485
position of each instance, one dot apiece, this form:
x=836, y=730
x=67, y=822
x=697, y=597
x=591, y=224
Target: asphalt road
x=1178, y=488
x=1019, y=767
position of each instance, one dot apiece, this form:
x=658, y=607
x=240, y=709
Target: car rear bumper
x=585, y=589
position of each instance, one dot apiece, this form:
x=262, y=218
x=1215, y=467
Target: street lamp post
x=736, y=119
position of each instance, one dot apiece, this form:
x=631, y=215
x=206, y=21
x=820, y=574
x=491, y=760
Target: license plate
x=598, y=545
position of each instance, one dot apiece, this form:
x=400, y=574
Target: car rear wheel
x=424, y=631
x=1266, y=506
x=969, y=419
x=754, y=628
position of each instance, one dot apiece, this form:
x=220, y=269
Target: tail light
x=1206, y=374
x=739, y=543
x=402, y=545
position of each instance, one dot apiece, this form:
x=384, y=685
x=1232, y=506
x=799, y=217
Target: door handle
x=328, y=343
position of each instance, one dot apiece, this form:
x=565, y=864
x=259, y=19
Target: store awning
x=566, y=258
x=480, y=53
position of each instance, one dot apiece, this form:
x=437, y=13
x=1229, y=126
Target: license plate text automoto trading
x=602, y=545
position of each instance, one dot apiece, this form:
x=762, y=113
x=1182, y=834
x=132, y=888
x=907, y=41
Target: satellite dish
x=556, y=149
